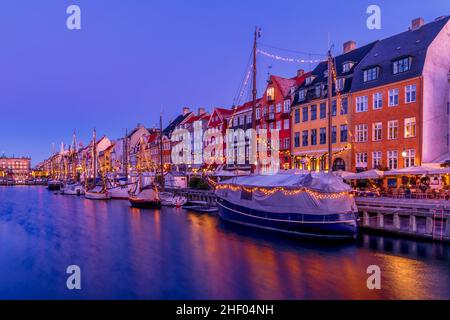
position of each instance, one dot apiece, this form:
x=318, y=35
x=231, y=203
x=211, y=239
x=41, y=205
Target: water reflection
x=127, y=253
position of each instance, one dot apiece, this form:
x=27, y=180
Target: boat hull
x=97, y=196
x=331, y=226
x=119, y=193
x=144, y=204
x=53, y=186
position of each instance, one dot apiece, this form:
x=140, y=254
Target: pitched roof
x=175, y=123
x=411, y=43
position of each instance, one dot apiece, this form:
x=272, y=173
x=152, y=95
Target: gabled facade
x=401, y=103
x=310, y=113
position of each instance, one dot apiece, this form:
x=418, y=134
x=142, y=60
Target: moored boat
x=75, y=189
x=316, y=205
x=97, y=193
x=146, y=198
x=54, y=185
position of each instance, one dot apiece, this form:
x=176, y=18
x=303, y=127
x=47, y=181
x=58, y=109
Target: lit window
x=410, y=127
x=409, y=159
x=392, y=129
x=270, y=94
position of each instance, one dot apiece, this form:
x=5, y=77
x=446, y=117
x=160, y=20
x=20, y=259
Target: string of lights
x=286, y=59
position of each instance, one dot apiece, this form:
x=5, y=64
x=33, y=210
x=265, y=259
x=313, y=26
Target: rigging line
x=293, y=51
x=243, y=78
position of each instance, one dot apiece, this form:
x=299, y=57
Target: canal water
x=127, y=253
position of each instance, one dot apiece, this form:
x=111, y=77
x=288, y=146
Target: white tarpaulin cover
x=322, y=193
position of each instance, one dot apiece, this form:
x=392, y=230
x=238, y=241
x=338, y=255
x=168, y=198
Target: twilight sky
x=133, y=56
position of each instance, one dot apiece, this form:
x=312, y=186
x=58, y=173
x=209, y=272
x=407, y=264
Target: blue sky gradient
x=132, y=57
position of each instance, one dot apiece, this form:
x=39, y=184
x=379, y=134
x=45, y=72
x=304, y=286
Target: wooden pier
x=428, y=219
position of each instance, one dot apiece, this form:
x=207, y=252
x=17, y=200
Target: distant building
x=15, y=168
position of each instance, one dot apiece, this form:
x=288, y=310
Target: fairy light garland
x=285, y=191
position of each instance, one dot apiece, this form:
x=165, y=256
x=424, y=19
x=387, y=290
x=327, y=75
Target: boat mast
x=125, y=154
x=161, y=151
x=94, y=155
x=254, y=93
x=330, y=114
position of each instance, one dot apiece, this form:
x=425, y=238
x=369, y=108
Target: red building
x=275, y=109
x=218, y=122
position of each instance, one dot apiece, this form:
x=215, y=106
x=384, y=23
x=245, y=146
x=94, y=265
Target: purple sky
x=132, y=57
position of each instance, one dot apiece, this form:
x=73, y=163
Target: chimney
x=349, y=46
x=300, y=72
x=417, y=23
x=201, y=111
x=186, y=110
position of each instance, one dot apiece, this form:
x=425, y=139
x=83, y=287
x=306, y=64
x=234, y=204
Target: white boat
x=75, y=189
x=97, y=193
x=54, y=185
x=120, y=192
x=318, y=204
x=166, y=198
x=179, y=201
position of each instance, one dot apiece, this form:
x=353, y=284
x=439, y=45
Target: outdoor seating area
x=424, y=182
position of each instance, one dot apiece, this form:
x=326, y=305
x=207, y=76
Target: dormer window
x=292, y=91
x=309, y=80
x=347, y=66
x=302, y=95
x=325, y=73
x=402, y=65
x=340, y=83
x=371, y=74
x=270, y=94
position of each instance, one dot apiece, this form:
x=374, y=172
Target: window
x=393, y=97
x=305, y=138
x=309, y=80
x=410, y=93
x=392, y=159
x=313, y=112
x=286, y=124
x=340, y=83
x=249, y=118
x=361, y=160
x=297, y=115
x=235, y=121
x=278, y=107
x=346, y=67
x=361, y=133
x=287, y=106
x=270, y=94
x=333, y=134
x=392, y=129
x=305, y=114
x=323, y=111
x=377, y=129
x=333, y=108
x=402, y=65
x=314, y=137
x=371, y=74
x=287, y=143
x=344, y=106
x=362, y=103
x=410, y=127
x=377, y=101
x=297, y=139
x=264, y=111
x=323, y=135
x=302, y=95
x=318, y=91
x=241, y=120
x=408, y=160
x=344, y=133
x=278, y=125
x=376, y=159
x=271, y=109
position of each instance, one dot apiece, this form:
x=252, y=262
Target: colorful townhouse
x=274, y=112
x=309, y=113
x=400, y=95
x=218, y=122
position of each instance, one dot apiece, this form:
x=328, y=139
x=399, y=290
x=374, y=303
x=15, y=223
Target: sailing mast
x=330, y=115
x=94, y=155
x=256, y=35
x=125, y=155
x=161, y=151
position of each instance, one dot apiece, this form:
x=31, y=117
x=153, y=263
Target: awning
x=371, y=174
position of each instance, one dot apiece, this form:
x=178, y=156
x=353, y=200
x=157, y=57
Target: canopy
x=371, y=174
x=418, y=170
x=226, y=173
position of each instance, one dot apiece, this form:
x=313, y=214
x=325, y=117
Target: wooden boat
x=147, y=198
x=75, y=189
x=98, y=193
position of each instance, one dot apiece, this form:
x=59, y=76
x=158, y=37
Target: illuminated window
x=410, y=127
x=270, y=94
x=392, y=129
x=408, y=160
